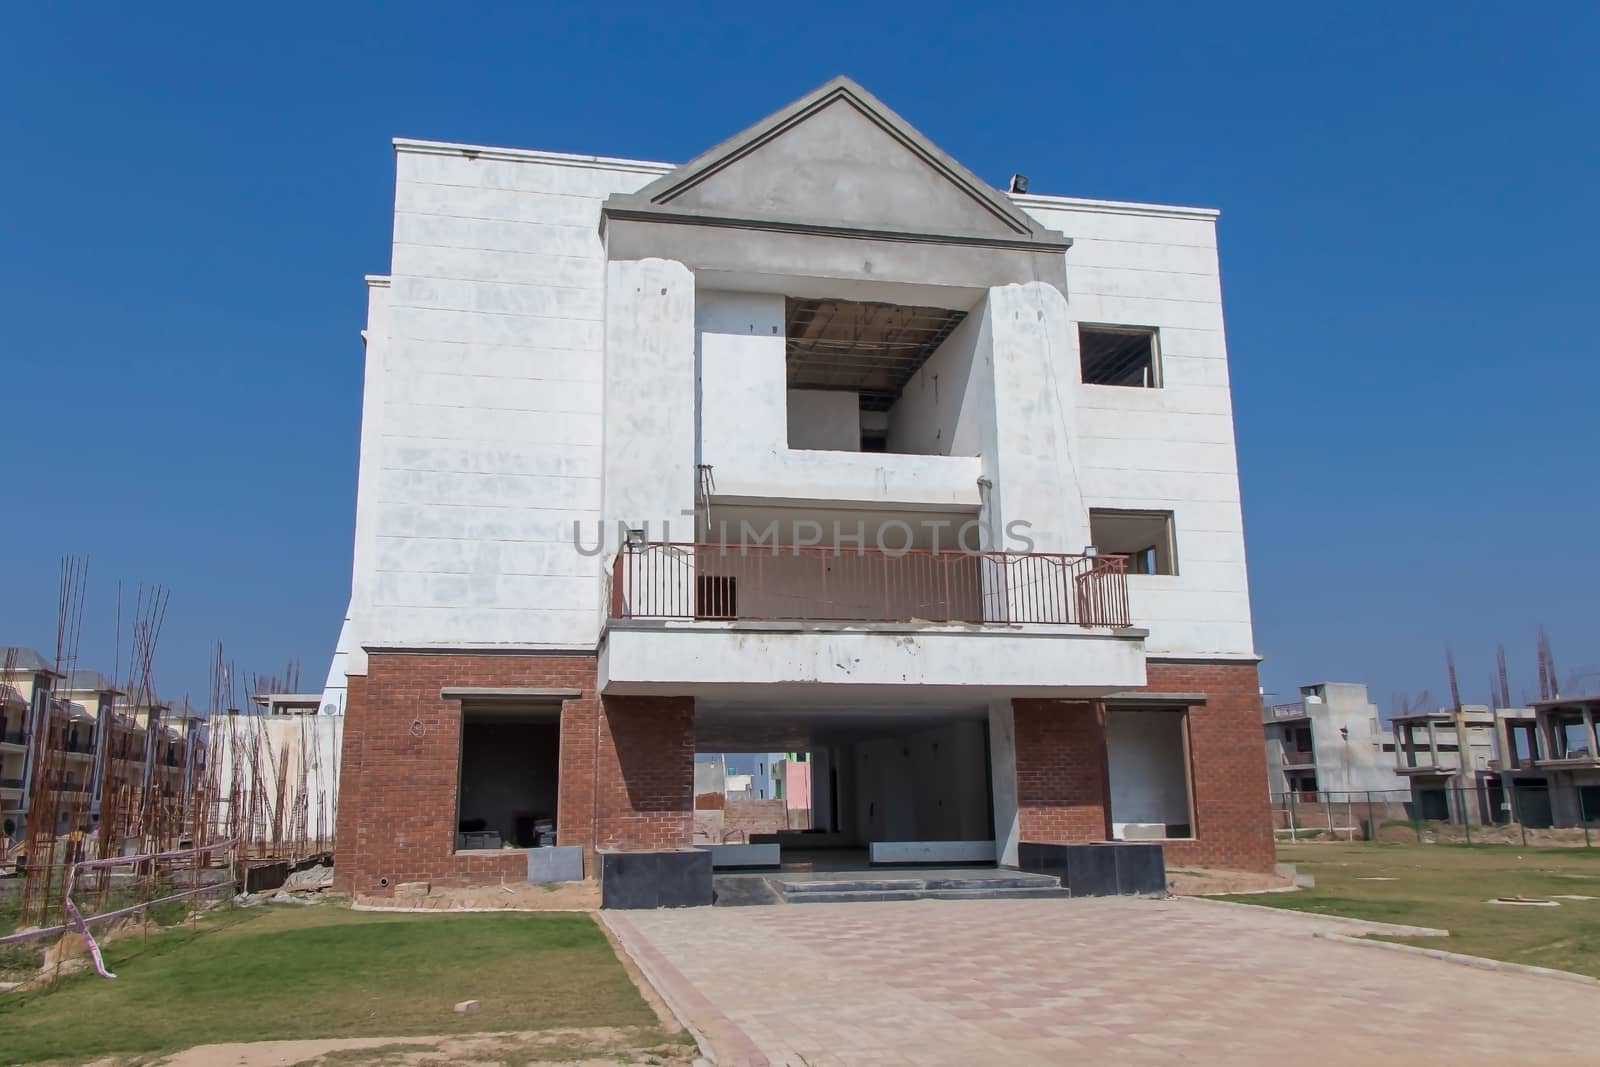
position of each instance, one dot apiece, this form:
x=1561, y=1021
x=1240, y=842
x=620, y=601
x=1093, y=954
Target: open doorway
x=510, y=771
x=859, y=784
x=1147, y=755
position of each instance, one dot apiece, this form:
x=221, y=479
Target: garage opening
x=844, y=787
x=510, y=776
x=1147, y=753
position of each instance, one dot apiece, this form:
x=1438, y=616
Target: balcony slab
x=645, y=657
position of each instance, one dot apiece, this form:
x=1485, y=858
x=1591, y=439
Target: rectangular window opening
x=1147, y=755
x=1119, y=355
x=867, y=376
x=509, y=776
x=1144, y=538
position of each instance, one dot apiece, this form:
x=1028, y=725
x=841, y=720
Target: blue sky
x=192, y=195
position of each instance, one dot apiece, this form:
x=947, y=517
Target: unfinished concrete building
x=1547, y=764
x=817, y=443
x=99, y=740
x=1331, y=740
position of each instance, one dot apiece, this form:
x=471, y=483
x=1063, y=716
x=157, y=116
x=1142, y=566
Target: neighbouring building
x=104, y=748
x=1535, y=766
x=290, y=703
x=1547, y=763
x=758, y=773
x=1445, y=756
x=1331, y=739
x=13, y=752
x=277, y=773
x=816, y=443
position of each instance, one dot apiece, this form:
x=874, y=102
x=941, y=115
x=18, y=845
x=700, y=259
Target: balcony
x=1282, y=712
x=808, y=583
x=1299, y=757
x=11, y=783
x=1423, y=763
x=13, y=738
x=689, y=615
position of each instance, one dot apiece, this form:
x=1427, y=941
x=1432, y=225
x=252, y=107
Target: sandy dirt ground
x=1201, y=882
x=597, y=1046
x=511, y=896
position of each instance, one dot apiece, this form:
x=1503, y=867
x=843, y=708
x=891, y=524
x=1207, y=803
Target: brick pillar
x=645, y=794
x=347, y=824
x=575, y=799
x=1227, y=760
x=1061, y=771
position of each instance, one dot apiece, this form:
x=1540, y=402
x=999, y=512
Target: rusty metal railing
x=662, y=580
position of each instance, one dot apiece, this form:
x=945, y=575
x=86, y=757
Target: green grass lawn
x=1446, y=886
x=289, y=972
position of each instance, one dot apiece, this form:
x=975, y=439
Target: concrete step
x=1019, y=880
x=796, y=887
x=865, y=896
x=743, y=890
x=1010, y=881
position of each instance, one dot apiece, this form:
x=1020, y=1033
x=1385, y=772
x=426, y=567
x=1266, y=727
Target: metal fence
x=1456, y=815
x=658, y=580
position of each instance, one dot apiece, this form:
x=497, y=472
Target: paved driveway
x=1105, y=981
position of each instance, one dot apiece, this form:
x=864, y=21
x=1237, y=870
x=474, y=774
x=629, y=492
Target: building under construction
x=99, y=768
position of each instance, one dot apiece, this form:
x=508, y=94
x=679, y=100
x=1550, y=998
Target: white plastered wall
x=483, y=437
x=824, y=419
x=1170, y=448
x=482, y=430
x=938, y=412
x=649, y=429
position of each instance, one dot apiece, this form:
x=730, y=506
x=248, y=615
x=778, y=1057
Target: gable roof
x=27, y=659
x=838, y=160
x=84, y=680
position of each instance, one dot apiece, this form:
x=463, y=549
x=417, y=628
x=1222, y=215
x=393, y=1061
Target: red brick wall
x=1233, y=820
x=1061, y=771
x=751, y=816
x=347, y=815
x=401, y=762
x=401, y=758
x=646, y=786
x=1061, y=768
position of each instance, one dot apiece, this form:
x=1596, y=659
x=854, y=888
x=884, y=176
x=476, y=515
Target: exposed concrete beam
x=492, y=693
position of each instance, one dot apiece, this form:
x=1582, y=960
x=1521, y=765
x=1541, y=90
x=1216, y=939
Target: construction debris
x=150, y=807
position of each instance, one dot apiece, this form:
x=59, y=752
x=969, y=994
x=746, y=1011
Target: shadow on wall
x=653, y=738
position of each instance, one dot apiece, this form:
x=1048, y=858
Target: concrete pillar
x=369, y=474
x=1030, y=432
x=849, y=814
x=1003, y=780
x=821, y=762
x=649, y=398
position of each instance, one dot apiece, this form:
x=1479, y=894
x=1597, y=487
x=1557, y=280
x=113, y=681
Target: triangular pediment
x=836, y=160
